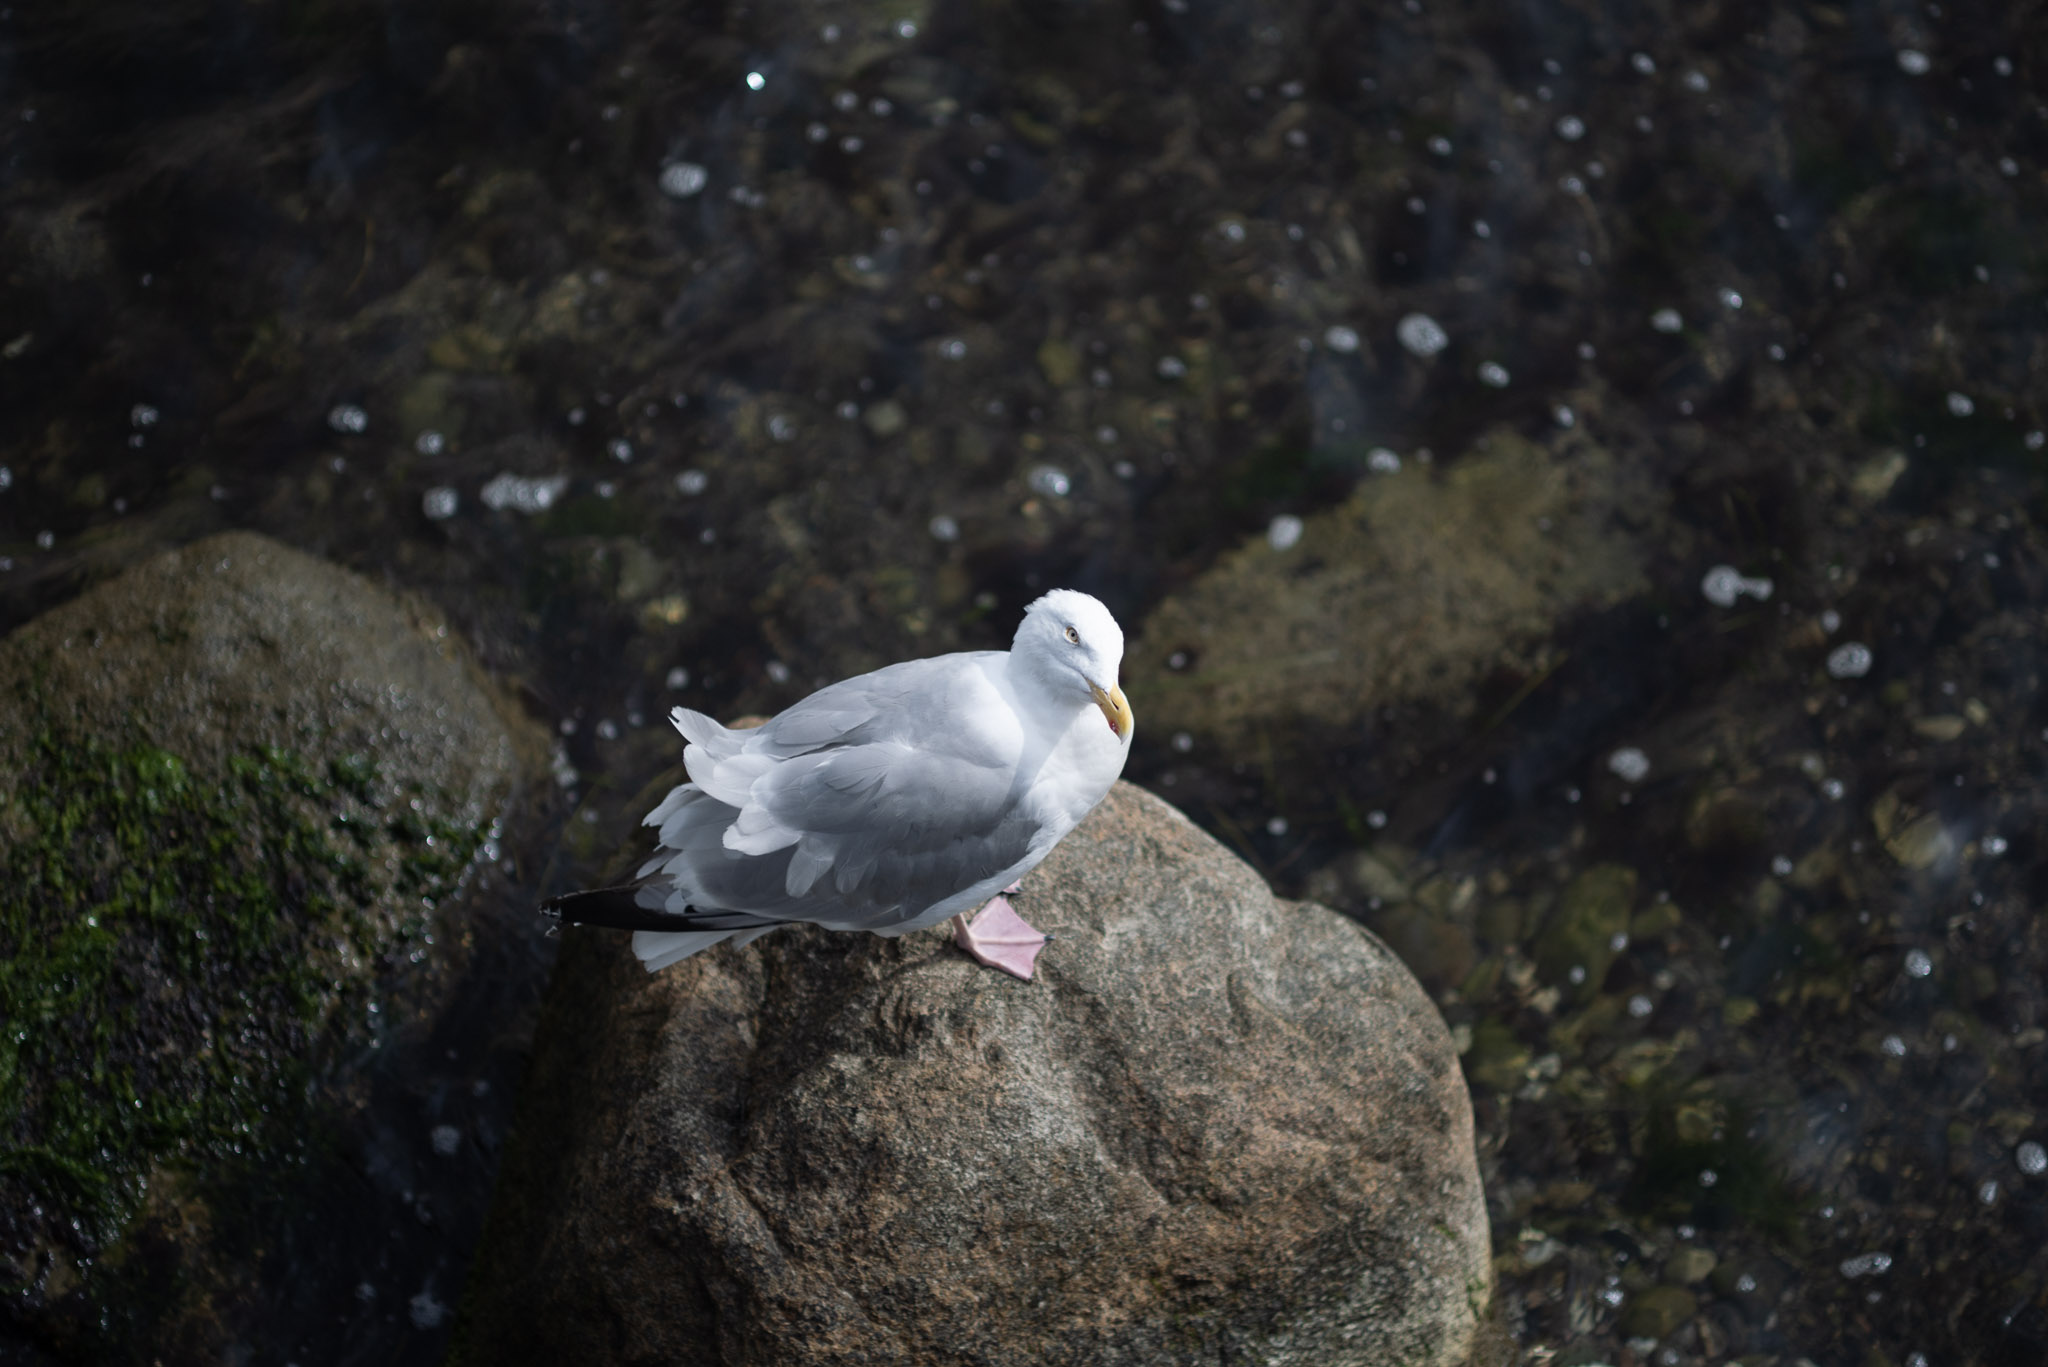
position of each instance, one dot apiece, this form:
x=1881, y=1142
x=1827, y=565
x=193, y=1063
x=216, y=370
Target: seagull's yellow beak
x=1115, y=707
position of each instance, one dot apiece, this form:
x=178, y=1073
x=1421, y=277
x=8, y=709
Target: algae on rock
x=237, y=780
x=1413, y=588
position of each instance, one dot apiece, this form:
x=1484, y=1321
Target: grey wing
x=850, y=830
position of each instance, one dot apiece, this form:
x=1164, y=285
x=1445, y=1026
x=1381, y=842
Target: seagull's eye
x=1073, y=636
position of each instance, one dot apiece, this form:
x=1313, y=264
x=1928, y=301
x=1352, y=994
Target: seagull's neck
x=1047, y=699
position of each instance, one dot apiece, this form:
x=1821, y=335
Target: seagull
x=889, y=802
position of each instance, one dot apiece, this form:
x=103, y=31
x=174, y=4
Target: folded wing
x=859, y=808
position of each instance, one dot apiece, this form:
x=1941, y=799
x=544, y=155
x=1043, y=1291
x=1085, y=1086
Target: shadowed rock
x=1218, y=1127
x=235, y=783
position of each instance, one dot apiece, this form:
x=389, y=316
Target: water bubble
x=446, y=1139
x=1730, y=299
x=2032, y=1158
x=1183, y=742
x=691, y=483
x=1667, y=321
x=781, y=427
x=1724, y=584
x=1577, y=974
x=678, y=679
x=524, y=495
x=2008, y=167
x=1440, y=145
x=1277, y=826
x=1106, y=434
x=429, y=443
x=1381, y=461
x=1563, y=416
x=1832, y=789
x=953, y=349
x=1708, y=1177
x=1695, y=81
x=2034, y=441
x=1913, y=62
x=1987, y=1194
x=1918, y=963
x=143, y=415
x=1283, y=532
x=1962, y=405
x=906, y=29
x=944, y=528
x=1866, y=1265
x=1493, y=374
x=1640, y=1006
x=1780, y=865
x=1830, y=621
x=1571, y=128
x=427, y=1313
x=1421, y=334
x=1745, y=1283
x=439, y=504
x=1630, y=764
x=1893, y=1046
x=621, y=449
x=1341, y=338
x=1051, y=481
x=1993, y=845
x=1232, y=230
x=682, y=179
x=1850, y=660
x=348, y=419
x=1376, y=819
x=1481, y=228
x=45, y=540
x=1644, y=64
x=755, y=80
x=6, y=479
x=1171, y=367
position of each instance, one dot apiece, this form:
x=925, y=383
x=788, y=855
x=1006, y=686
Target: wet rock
x=1658, y=1311
x=1414, y=588
x=1689, y=1265
x=238, y=781
x=1588, y=929
x=1216, y=1125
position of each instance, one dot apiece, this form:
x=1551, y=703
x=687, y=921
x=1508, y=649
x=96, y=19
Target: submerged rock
x=237, y=781
x=1412, y=589
x=1217, y=1127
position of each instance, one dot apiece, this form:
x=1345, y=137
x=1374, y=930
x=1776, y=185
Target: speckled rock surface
x=1217, y=1127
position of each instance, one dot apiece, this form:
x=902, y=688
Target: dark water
x=814, y=337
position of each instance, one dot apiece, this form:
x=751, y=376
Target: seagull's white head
x=1072, y=643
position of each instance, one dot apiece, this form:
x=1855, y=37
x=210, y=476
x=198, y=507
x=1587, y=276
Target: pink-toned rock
x=1216, y=1127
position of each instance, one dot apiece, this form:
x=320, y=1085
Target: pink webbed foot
x=1000, y=938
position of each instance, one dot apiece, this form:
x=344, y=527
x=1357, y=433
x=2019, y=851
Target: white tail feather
x=659, y=948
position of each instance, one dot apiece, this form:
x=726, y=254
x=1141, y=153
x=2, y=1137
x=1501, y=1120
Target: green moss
x=171, y=946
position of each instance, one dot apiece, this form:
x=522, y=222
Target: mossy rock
x=237, y=781
x=1415, y=588
x=1579, y=944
